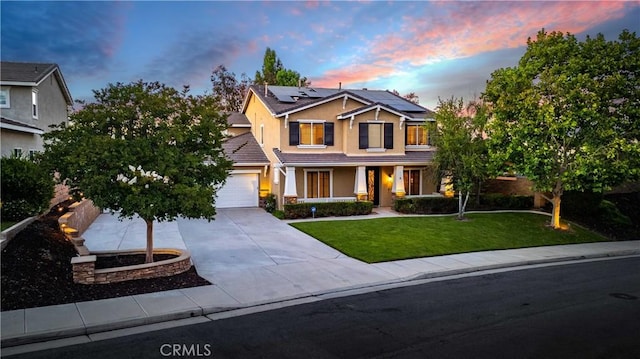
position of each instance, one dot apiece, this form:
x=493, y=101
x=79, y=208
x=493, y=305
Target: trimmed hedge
x=337, y=209
x=447, y=205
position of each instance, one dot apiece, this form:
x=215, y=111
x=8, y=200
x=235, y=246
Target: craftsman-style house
x=322, y=145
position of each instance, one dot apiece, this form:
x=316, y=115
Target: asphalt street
x=583, y=310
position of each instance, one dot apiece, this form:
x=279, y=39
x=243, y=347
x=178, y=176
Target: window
x=5, y=97
x=411, y=181
x=262, y=135
x=417, y=135
x=34, y=103
x=376, y=136
x=318, y=184
x=310, y=133
x=32, y=154
x=17, y=152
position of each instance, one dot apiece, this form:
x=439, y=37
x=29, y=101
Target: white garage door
x=240, y=190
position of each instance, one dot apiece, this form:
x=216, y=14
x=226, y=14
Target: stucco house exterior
x=324, y=145
x=33, y=96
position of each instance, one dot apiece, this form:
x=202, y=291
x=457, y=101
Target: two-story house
x=337, y=145
x=33, y=96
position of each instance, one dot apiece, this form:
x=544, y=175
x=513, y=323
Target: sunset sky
x=436, y=49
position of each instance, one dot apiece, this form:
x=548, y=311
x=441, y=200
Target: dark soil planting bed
x=103, y=262
x=36, y=272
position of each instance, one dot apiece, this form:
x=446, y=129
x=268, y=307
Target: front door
x=373, y=185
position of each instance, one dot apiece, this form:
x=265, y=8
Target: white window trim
x=262, y=135
x=419, y=180
x=323, y=134
x=34, y=103
x=377, y=149
x=417, y=146
x=7, y=90
x=330, y=170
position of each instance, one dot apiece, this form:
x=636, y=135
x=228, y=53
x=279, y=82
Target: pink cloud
x=461, y=29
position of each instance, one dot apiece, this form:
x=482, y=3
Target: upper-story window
x=5, y=97
x=375, y=136
x=417, y=135
x=34, y=103
x=310, y=133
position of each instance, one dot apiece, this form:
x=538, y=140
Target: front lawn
x=387, y=239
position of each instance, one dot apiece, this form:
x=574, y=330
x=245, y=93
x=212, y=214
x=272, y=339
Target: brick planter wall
x=84, y=271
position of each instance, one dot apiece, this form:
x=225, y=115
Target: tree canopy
x=567, y=117
x=228, y=90
x=143, y=149
x=461, y=158
x=274, y=73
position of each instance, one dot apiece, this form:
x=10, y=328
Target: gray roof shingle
x=340, y=159
x=245, y=150
x=237, y=119
x=368, y=97
x=25, y=71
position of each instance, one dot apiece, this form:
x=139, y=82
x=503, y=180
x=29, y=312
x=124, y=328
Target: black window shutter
x=294, y=133
x=364, y=135
x=328, y=133
x=406, y=134
x=388, y=135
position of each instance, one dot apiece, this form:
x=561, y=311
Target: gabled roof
x=415, y=158
x=19, y=126
x=237, y=119
x=284, y=100
x=32, y=74
x=244, y=150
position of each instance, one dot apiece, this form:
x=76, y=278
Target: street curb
x=86, y=330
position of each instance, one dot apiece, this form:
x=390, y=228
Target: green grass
x=6, y=224
x=386, y=239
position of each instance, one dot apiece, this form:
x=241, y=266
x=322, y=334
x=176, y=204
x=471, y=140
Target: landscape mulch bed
x=36, y=271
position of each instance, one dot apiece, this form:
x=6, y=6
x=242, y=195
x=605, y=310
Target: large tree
x=567, y=116
x=143, y=149
x=462, y=154
x=274, y=73
x=228, y=90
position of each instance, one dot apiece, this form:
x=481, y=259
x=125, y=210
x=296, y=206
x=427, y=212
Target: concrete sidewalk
x=255, y=266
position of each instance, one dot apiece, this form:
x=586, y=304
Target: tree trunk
x=555, y=213
x=149, y=256
x=462, y=206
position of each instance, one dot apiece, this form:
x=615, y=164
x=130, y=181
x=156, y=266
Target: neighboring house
x=325, y=145
x=33, y=96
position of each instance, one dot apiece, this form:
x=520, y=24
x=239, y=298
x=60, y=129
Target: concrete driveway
x=247, y=253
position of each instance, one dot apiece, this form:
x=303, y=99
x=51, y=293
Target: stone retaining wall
x=80, y=216
x=84, y=271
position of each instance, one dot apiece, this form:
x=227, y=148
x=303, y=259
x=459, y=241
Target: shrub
x=278, y=214
x=612, y=216
x=270, y=203
x=27, y=189
x=499, y=201
x=303, y=210
x=445, y=205
x=426, y=205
